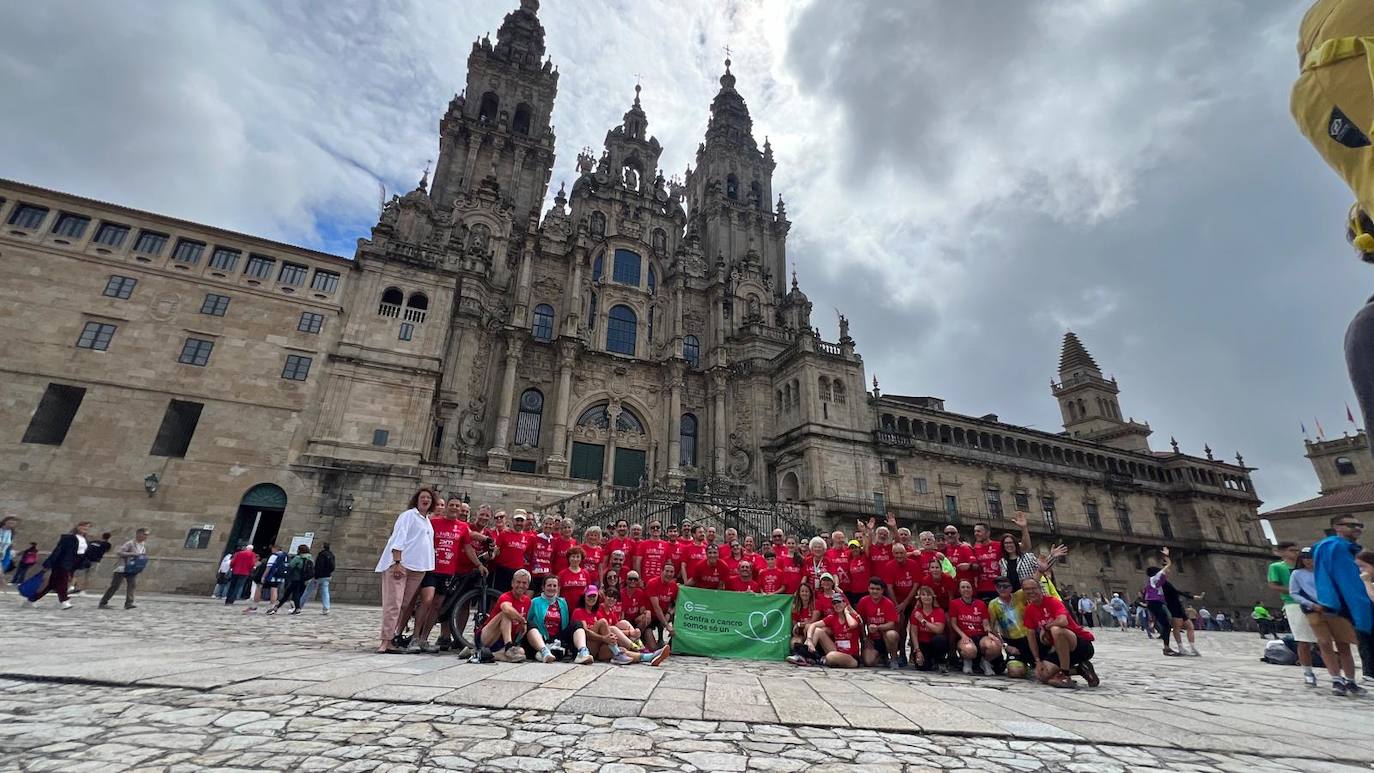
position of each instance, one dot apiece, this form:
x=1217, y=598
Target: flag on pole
x=1304, y=428
x=1321, y=433
x=1350, y=417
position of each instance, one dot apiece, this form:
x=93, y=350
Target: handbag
x=31, y=585
x=134, y=564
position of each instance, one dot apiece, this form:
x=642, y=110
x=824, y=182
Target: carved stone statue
x=741, y=461
x=844, y=328
x=470, y=426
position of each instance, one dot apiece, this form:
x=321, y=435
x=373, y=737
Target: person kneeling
x=880, y=618
x=505, y=629
x=837, y=635
x=1067, y=646
x=973, y=626
x=926, y=633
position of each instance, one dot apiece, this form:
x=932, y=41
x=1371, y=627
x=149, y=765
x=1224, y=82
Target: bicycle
x=469, y=602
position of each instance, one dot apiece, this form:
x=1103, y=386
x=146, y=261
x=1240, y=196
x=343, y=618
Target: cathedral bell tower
x=1089, y=401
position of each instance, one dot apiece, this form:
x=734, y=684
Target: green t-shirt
x=1279, y=572
x=1261, y=613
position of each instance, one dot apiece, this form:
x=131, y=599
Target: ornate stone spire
x=1075, y=355
x=729, y=115
x=520, y=39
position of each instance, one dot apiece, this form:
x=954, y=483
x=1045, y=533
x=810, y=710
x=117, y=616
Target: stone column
x=718, y=420
x=558, y=462
x=498, y=456
x=675, y=421
x=612, y=416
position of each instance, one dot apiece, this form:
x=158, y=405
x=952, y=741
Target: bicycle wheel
x=477, y=603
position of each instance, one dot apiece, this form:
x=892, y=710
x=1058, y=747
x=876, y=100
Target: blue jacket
x=539, y=607
x=1339, y=587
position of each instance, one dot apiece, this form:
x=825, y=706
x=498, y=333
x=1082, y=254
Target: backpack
x=1278, y=653
x=307, y=569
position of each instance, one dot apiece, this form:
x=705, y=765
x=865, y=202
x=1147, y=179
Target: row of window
x=57, y=409
x=531, y=415
x=215, y=305
x=187, y=251
x=194, y=351
x=625, y=269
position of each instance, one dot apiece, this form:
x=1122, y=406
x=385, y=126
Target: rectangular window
x=224, y=259
x=198, y=538
x=188, y=251
x=259, y=267
x=215, y=305
x=297, y=368
x=310, y=322
x=523, y=465
x=380, y=437
x=120, y=287
x=879, y=503
x=28, y=216
x=1094, y=516
x=178, y=426
x=150, y=242
x=891, y=465
x=407, y=331
x=1107, y=558
x=1047, y=507
x=1022, y=502
x=54, y=415
x=71, y=226
x=111, y=234
x=994, y=503
x=292, y=274
x=952, y=508
x=922, y=487
x=325, y=281
x=96, y=335
x=196, y=351
x=1123, y=518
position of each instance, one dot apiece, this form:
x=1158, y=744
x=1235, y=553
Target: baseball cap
x=828, y=576
x=1307, y=551
x=591, y=591
x=632, y=576
x=855, y=543
x=520, y=515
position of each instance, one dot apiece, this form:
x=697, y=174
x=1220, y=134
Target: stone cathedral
x=641, y=334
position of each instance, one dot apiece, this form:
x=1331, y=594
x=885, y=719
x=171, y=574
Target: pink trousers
x=397, y=594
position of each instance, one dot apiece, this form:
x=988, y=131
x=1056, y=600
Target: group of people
x=275, y=578
x=68, y=567
x=878, y=596
x=1327, y=591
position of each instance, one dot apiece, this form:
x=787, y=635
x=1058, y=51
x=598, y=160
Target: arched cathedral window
x=527, y=423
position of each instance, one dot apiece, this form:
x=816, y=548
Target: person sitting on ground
x=602, y=639
x=636, y=615
x=804, y=613
x=505, y=629
x=929, y=645
x=549, y=624
x=880, y=620
x=1066, y=645
x=973, y=627
x=837, y=635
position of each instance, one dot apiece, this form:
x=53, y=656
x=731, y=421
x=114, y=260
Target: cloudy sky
x=966, y=179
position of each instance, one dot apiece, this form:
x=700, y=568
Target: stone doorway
x=259, y=518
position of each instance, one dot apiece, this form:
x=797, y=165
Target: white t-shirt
x=80, y=545
x=413, y=535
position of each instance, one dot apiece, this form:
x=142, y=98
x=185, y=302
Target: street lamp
x=346, y=503
x=151, y=482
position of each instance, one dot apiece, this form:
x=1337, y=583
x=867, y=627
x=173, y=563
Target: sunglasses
x=1352, y=524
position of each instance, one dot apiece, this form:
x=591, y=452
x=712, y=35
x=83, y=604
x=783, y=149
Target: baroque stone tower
x=1089, y=401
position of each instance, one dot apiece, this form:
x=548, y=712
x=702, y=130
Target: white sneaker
x=1309, y=679
x=987, y=669
x=66, y=605
x=968, y=667
x=324, y=611
x=583, y=658
x=30, y=604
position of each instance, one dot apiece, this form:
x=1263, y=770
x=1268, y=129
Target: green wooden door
x=629, y=466
x=588, y=461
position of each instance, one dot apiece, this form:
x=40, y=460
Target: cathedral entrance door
x=629, y=467
x=588, y=461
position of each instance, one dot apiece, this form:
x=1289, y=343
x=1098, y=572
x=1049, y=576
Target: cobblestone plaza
x=183, y=684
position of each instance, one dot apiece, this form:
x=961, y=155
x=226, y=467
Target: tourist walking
x=1118, y=608
x=324, y=569
x=270, y=579
x=62, y=562
x=132, y=557
x=7, y=558
x=299, y=570
x=1341, y=592
x=240, y=570
x=408, y=554
x=95, y=552
x=222, y=576
x=1155, y=577
x=1086, y=609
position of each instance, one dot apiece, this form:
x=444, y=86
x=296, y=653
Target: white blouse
x=413, y=535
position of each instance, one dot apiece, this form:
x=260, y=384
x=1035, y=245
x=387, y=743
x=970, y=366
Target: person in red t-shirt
x=575, y=579
x=927, y=624
x=652, y=553
x=945, y=587
x=857, y=572
x=742, y=581
x=692, y=553
x=506, y=626
x=733, y=557
x=562, y=544
x=635, y=609
x=902, y=574
x=540, y=558
x=960, y=554
x=593, y=552
x=772, y=579
x=621, y=539
x=709, y=574
x=881, y=622
x=661, y=592
x=450, y=536
x=838, y=549
x=514, y=548
x=838, y=634
x=815, y=563
x=726, y=545
x=804, y=614
x=777, y=541
x=987, y=562
x=1051, y=627
x=973, y=626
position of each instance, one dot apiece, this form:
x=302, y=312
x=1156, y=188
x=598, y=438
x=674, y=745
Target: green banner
x=722, y=624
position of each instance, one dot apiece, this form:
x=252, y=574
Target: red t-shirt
x=902, y=576
x=708, y=575
x=1048, y=609
x=665, y=592
x=773, y=581
x=969, y=616
x=241, y=564
x=553, y=620
x=653, y=554
x=468, y=538
x=609, y=611
x=633, y=603
x=987, y=556
x=689, y=556
x=881, y=612
x=963, y=554
x=935, y=615
x=522, y=605
x=571, y=585
x=824, y=604
x=515, y=546
x=624, y=545
x=738, y=585
x=541, y=555
x=448, y=539
x=802, y=615
x=880, y=555
x=846, y=639
x=814, y=570
x=591, y=558
x=836, y=554
x=723, y=552
x=791, y=577
x=561, y=546
x=857, y=573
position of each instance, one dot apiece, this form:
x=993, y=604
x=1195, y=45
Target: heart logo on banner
x=757, y=619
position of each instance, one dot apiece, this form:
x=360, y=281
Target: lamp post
x=150, y=483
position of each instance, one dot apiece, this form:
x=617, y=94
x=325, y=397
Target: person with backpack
x=299, y=570
x=133, y=556
x=269, y=576
x=25, y=563
x=240, y=573
x=324, y=569
x=62, y=562
x=95, y=552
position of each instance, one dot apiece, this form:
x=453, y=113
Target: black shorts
x=271, y=584
x=439, y=582
x=855, y=598
x=1081, y=653
x=880, y=645
x=1175, y=610
x=1022, y=648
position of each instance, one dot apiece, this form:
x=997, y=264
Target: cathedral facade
x=640, y=334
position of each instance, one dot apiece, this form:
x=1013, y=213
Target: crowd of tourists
x=274, y=578
x=69, y=565
x=879, y=596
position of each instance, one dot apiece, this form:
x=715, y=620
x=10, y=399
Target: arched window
x=838, y=391
x=520, y=124
x=691, y=351
x=688, y=441
x=392, y=298
x=598, y=417
x=756, y=194
x=824, y=388
x=543, y=322
x=598, y=224
x=598, y=265
x=620, y=330
x=527, y=423
x=1082, y=408
x=781, y=405
x=904, y=425
x=626, y=268
x=653, y=280
x=416, y=306
x=789, y=490
x=660, y=240
x=490, y=107
x=732, y=187
x=417, y=301
x=1344, y=466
